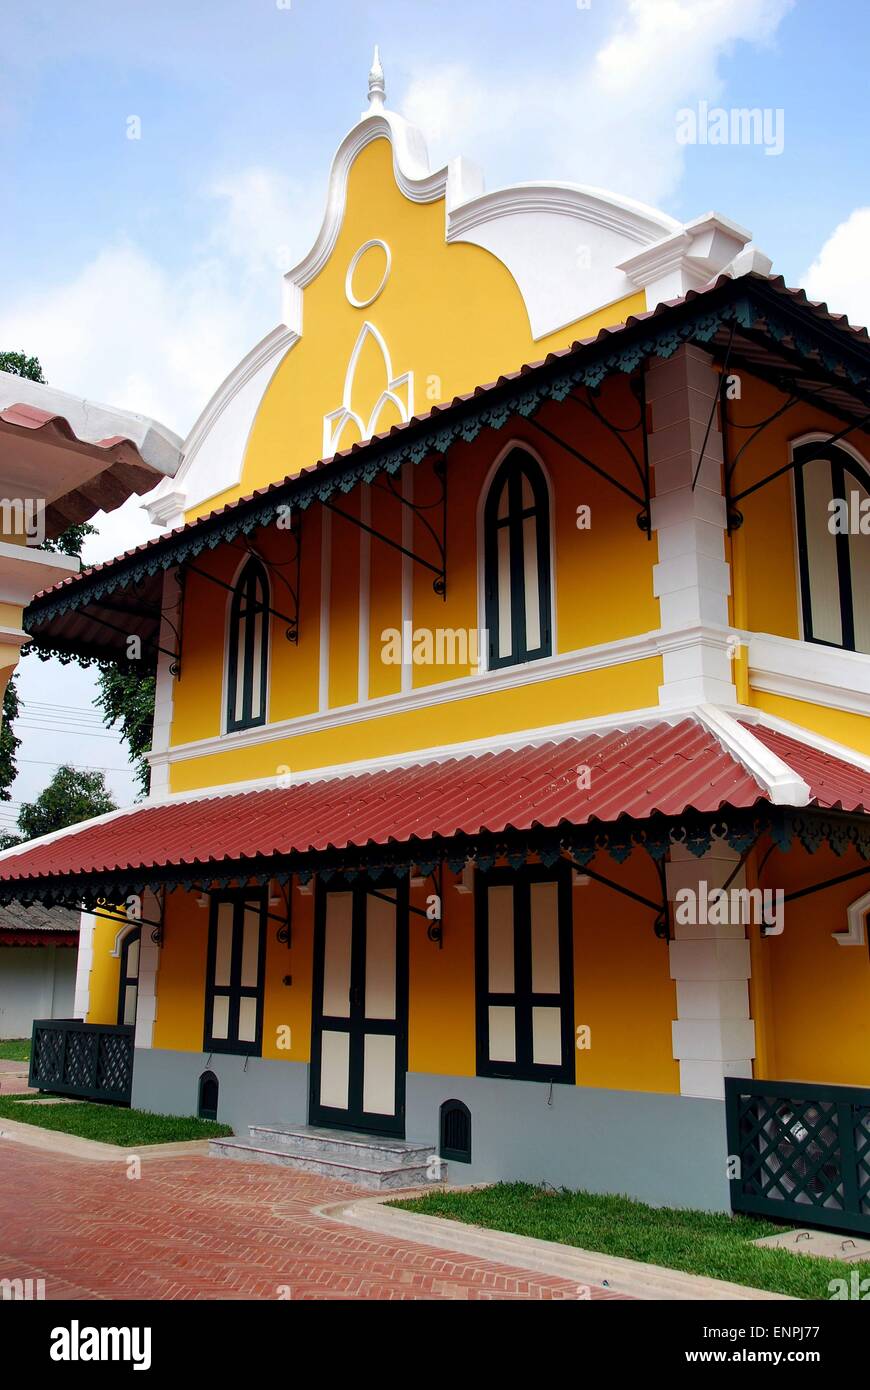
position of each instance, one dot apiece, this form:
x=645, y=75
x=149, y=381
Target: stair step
x=374, y=1176
x=369, y=1150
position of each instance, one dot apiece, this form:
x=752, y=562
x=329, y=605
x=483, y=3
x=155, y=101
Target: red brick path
x=210, y=1228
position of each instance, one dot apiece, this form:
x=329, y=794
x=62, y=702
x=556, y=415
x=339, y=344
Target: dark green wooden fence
x=802, y=1152
x=91, y=1060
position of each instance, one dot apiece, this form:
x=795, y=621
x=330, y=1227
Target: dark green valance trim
x=809, y=828
x=661, y=335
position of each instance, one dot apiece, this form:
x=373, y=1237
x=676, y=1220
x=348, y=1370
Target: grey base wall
x=663, y=1149
x=262, y=1091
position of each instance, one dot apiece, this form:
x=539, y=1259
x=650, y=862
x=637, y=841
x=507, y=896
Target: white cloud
x=609, y=118
x=840, y=274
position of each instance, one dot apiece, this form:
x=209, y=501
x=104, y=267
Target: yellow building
x=505, y=714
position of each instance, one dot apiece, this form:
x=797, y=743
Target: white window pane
x=336, y=956
x=247, y=1019
x=256, y=673
x=503, y=504
x=501, y=939
x=822, y=553
x=335, y=1069
x=545, y=937
x=220, y=1016
x=859, y=559
x=380, y=960
x=224, y=949
x=502, y=1033
x=504, y=592
x=130, y=994
x=239, y=709
x=530, y=576
x=547, y=1037
x=379, y=1074
x=251, y=947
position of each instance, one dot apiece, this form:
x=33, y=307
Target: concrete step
x=369, y=1150
x=374, y=1173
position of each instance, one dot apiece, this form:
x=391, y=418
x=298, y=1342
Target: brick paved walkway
x=13, y=1077
x=211, y=1228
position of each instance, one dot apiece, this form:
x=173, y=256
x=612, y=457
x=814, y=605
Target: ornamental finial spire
x=377, y=89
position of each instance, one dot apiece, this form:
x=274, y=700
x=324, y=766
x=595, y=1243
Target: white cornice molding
x=595, y=658
x=810, y=672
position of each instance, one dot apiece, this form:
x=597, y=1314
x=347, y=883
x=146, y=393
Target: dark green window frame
x=126, y=978
x=249, y=620
x=517, y=466
x=234, y=990
x=522, y=998
x=843, y=465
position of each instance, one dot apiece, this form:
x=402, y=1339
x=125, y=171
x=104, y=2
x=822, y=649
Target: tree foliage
x=9, y=742
x=19, y=364
x=127, y=699
x=71, y=796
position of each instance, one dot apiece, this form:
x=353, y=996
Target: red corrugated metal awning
x=661, y=768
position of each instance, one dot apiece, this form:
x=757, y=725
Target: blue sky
x=141, y=270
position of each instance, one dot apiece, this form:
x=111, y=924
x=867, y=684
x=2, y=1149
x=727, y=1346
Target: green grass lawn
x=110, y=1124
x=709, y=1243
x=15, y=1050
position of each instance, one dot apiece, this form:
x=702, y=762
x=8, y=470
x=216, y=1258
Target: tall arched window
x=128, y=988
x=248, y=665
x=517, y=563
x=833, y=552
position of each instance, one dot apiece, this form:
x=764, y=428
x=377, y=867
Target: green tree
x=9, y=742
x=71, y=796
x=19, y=364
x=127, y=699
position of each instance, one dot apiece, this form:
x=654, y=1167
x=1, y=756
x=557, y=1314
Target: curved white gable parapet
x=570, y=249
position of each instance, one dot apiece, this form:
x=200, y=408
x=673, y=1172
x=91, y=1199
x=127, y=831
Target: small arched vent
x=208, y=1096
x=455, y=1131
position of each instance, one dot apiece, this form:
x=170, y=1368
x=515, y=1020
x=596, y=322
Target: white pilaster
x=713, y=1034
x=84, y=965
x=164, y=692
x=692, y=580
x=149, y=965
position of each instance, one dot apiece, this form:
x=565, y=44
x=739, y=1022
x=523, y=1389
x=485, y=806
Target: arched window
x=517, y=563
x=128, y=988
x=248, y=665
x=833, y=552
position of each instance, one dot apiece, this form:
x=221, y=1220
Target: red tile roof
x=834, y=783
x=660, y=768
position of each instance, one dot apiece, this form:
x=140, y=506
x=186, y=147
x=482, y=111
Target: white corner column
x=713, y=1033
x=84, y=965
x=149, y=966
x=164, y=689
x=691, y=580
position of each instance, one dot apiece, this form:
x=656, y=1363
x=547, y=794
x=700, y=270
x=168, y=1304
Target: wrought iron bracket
x=284, y=934
x=418, y=511
x=662, y=923
x=291, y=623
